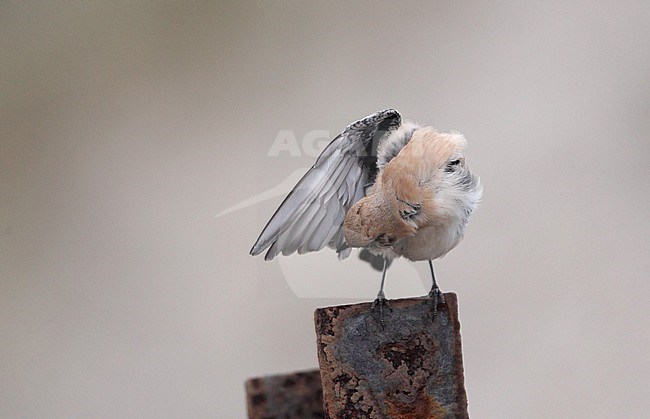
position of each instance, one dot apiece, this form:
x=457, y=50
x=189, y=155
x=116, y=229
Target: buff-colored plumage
x=408, y=213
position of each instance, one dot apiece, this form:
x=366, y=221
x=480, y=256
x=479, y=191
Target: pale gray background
x=126, y=127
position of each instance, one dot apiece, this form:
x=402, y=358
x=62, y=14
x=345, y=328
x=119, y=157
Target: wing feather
x=305, y=224
x=328, y=203
x=321, y=233
x=311, y=216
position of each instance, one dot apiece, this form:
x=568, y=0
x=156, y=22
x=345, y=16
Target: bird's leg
x=381, y=300
x=435, y=295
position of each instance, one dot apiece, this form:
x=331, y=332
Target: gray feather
x=311, y=216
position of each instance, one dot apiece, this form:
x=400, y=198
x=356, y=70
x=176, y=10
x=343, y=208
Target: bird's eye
x=452, y=165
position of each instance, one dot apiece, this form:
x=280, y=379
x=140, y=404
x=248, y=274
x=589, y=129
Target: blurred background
x=130, y=130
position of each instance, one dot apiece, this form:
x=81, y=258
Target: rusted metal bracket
x=410, y=368
x=292, y=396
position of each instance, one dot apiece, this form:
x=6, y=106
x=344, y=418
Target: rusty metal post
x=298, y=395
x=410, y=368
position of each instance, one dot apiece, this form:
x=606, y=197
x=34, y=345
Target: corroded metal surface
x=292, y=396
x=410, y=368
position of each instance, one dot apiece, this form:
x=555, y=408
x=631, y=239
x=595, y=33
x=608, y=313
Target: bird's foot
x=380, y=302
x=436, y=297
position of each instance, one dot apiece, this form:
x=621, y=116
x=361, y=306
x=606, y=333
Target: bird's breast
x=429, y=243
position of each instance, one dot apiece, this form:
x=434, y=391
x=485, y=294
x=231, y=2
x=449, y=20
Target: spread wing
x=312, y=214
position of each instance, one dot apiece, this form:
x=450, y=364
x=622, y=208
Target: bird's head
x=372, y=223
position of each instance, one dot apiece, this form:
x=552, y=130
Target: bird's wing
x=311, y=215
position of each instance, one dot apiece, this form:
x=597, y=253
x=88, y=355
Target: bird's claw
x=436, y=297
x=380, y=302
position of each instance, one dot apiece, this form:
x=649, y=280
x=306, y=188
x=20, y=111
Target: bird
x=392, y=187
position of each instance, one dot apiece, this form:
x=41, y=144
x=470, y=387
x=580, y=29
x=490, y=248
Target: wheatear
x=397, y=189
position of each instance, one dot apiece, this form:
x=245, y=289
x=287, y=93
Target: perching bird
x=396, y=189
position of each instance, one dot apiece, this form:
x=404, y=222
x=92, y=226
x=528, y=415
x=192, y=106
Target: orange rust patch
x=423, y=407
